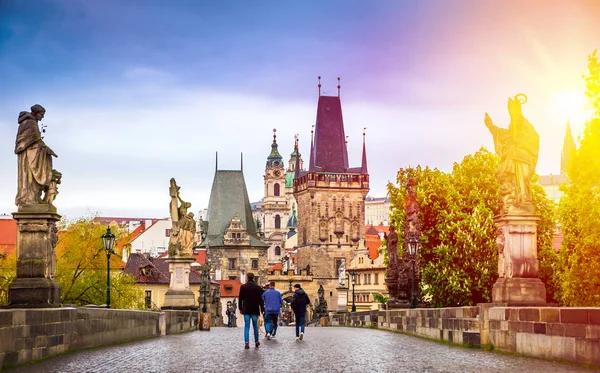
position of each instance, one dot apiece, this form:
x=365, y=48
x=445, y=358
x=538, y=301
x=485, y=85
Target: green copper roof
x=289, y=179
x=228, y=198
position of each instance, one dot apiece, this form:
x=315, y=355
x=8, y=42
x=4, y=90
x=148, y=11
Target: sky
x=140, y=91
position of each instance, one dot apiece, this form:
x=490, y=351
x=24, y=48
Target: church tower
x=330, y=196
x=567, y=151
x=275, y=209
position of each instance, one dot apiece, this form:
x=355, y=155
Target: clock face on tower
x=277, y=173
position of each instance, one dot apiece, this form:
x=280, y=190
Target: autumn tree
x=579, y=209
x=8, y=267
x=82, y=267
x=458, y=251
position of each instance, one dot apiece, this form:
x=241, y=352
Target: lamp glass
x=109, y=240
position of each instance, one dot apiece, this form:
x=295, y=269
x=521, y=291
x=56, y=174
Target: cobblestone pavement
x=322, y=350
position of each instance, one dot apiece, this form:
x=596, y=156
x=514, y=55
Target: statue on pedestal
x=342, y=273
x=34, y=172
x=183, y=231
x=518, y=148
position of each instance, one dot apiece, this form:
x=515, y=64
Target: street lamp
x=353, y=274
x=205, y=282
x=109, y=242
x=413, y=249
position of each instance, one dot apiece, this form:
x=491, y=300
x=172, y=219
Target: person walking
x=251, y=305
x=272, y=300
x=299, y=303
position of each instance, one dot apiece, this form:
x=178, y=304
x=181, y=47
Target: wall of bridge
x=31, y=334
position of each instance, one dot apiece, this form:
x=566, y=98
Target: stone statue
x=34, y=158
x=183, y=231
x=321, y=308
x=392, y=247
x=518, y=148
x=342, y=273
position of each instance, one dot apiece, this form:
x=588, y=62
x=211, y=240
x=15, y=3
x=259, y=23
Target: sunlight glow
x=571, y=105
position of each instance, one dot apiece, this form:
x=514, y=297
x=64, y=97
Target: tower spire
x=242, y=162
x=274, y=160
x=363, y=167
x=311, y=161
x=568, y=149
x=297, y=167
x=319, y=85
x=339, y=86
x=216, y=161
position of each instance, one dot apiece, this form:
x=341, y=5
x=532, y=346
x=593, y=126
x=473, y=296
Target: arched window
x=277, y=250
x=277, y=220
x=276, y=190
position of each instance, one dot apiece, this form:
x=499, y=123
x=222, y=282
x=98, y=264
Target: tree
x=458, y=251
x=8, y=266
x=81, y=267
x=579, y=209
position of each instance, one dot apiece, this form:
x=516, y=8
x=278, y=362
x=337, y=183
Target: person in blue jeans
x=251, y=305
x=272, y=300
x=299, y=303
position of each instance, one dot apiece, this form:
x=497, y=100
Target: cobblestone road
x=322, y=350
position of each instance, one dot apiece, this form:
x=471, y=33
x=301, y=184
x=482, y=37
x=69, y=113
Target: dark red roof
x=8, y=236
x=230, y=288
x=276, y=266
x=148, y=270
x=330, y=152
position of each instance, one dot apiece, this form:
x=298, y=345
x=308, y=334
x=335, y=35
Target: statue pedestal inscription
x=518, y=283
x=34, y=285
x=342, y=302
x=179, y=295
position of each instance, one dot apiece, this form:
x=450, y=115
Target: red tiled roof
x=8, y=236
x=110, y=219
x=275, y=267
x=230, y=288
x=131, y=236
x=373, y=247
x=148, y=270
x=200, y=256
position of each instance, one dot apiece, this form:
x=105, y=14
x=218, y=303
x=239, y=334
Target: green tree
x=458, y=234
x=579, y=209
x=82, y=266
x=8, y=266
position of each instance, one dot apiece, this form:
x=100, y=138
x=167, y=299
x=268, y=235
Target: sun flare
x=572, y=105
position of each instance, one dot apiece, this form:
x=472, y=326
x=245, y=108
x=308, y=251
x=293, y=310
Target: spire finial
x=347, y=140
x=241, y=161
x=216, y=162
x=274, y=135
x=339, y=86
x=319, y=86
x=364, y=133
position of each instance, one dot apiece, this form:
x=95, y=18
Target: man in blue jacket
x=272, y=300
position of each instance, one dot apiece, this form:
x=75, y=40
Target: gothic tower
x=567, y=151
x=275, y=209
x=330, y=196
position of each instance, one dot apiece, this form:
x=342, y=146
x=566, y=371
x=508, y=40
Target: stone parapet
x=31, y=334
x=571, y=334
x=455, y=324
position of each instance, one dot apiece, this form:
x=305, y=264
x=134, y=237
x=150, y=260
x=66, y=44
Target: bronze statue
x=34, y=159
x=518, y=148
x=183, y=231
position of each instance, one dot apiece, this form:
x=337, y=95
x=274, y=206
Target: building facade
x=331, y=202
x=377, y=211
x=233, y=245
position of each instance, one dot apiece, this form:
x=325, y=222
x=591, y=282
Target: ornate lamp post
x=353, y=274
x=413, y=249
x=205, y=282
x=109, y=242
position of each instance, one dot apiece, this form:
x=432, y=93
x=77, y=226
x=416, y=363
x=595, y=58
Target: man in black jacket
x=251, y=305
x=299, y=304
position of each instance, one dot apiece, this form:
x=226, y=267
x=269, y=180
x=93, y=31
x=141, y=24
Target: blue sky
x=138, y=92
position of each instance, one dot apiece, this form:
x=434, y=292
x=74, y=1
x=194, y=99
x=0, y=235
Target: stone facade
x=233, y=264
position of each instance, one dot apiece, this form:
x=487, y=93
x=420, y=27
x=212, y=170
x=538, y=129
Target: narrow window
x=277, y=221
x=276, y=190
x=277, y=250
x=254, y=263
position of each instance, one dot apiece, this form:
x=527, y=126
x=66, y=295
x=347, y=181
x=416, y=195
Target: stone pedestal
x=34, y=285
x=179, y=295
x=342, y=302
x=518, y=283
x=204, y=323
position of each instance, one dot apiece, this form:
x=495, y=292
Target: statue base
x=33, y=293
x=519, y=292
x=179, y=300
x=342, y=302
x=179, y=295
x=394, y=304
x=34, y=285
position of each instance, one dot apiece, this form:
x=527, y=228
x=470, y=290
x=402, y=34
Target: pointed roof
x=330, y=152
x=229, y=198
x=568, y=150
x=363, y=168
x=274, y=156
